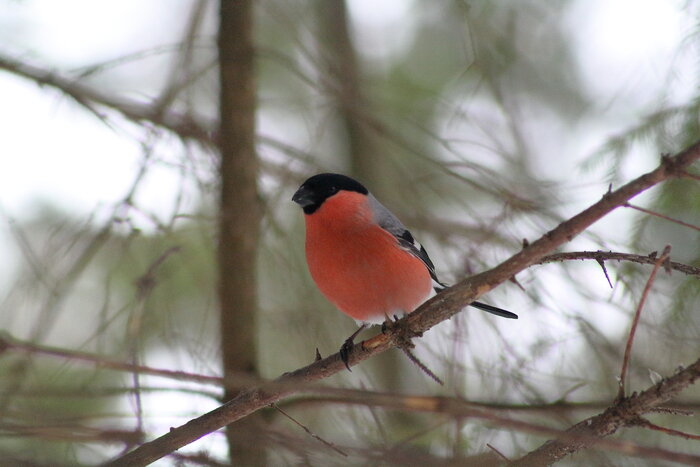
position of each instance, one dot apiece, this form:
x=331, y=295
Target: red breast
x=359, y=266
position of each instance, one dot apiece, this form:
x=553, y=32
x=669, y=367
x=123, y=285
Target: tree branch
x=438, y=309
x=662, y=216
x=613, y=256
x=635, y=321
x=7, y=343
x=626, y=412
x=184, y=126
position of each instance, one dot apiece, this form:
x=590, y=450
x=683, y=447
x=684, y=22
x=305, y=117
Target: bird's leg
x=347, y=346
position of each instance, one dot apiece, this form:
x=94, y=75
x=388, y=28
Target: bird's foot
x=345, y=350
x=347, y=347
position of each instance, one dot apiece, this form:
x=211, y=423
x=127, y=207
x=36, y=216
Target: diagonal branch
x=436, y=310
x=626, y=412
x=662, y=216
x=635, y=321
x=185, y=126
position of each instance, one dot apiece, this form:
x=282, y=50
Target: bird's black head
x=314, y=191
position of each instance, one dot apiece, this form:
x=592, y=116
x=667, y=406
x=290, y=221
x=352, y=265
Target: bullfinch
x=362, y=258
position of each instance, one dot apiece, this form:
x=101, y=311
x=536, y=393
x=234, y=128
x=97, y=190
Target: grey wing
x=393, y=225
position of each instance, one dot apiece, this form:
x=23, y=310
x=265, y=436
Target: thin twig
x=601, y=263
x=498, y=453
x=72, y=433
x=187, y=127
x=7, y=342
x=675, y=411
x=421, y=365
x=661, y=216
x=686, y=174
x=147, y=281
x=614, y=256
x=635, y=321
x=643, y=422
x=309, y=432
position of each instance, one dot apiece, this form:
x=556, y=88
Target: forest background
x=480, y=124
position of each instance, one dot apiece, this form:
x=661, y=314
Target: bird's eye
x=334, y=190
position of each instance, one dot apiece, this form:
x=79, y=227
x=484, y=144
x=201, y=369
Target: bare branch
x=436, y=310
x=610, y=255
x=691, y=176
x=669, y=431
x=662, y=216
x=185, y=126
x=309, y=432
x=72, y=433
x=624, y=412
x=8, y=343
x=635, y=321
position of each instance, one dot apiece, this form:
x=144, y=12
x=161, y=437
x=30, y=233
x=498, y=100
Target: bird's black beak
x=304, y=197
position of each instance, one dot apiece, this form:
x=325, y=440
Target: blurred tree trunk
x=239, y=216
x=344, y=87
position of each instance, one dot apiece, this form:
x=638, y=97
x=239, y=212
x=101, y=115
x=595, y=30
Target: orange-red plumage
x=361, y=256
x=359, y=266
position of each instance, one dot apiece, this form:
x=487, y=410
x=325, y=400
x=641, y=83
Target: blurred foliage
x=470, y=119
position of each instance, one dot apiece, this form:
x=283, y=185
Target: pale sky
x=54, y=151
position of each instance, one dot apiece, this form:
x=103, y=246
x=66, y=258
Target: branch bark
x=436, y=310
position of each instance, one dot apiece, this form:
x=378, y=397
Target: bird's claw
x=345, y=350
x=348, y=345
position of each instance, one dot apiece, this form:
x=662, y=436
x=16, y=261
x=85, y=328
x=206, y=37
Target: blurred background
x=478, y=123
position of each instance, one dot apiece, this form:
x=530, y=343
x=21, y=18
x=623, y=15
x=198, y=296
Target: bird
x=362, y=258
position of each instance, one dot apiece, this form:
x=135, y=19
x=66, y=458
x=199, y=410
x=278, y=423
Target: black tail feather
x=494, y=310
x=482, y=306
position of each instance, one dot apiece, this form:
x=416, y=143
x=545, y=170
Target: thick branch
x=436, y=310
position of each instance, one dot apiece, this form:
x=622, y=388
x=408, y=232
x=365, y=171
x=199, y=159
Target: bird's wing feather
x=389, y=222
x=393, y=225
